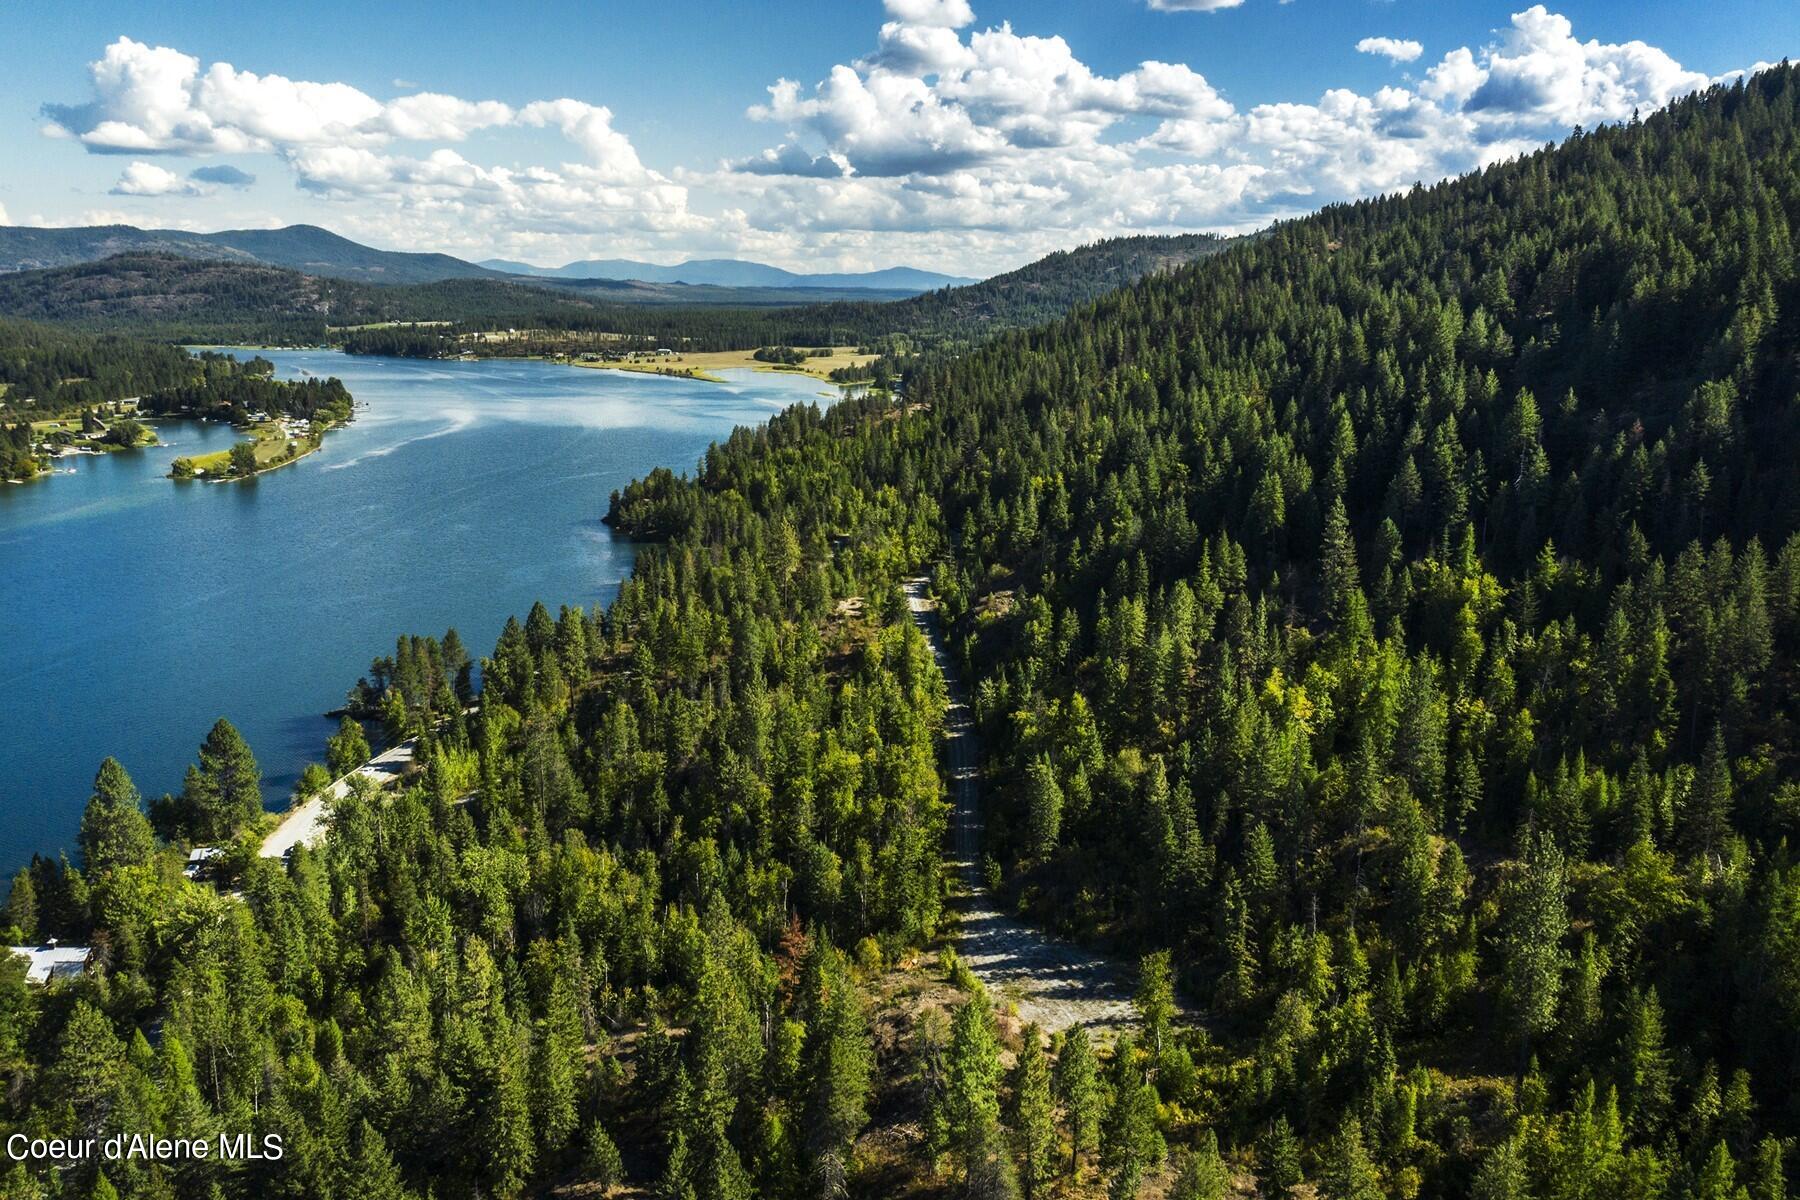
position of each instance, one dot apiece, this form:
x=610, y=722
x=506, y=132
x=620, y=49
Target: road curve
x=304, y=824
x=1051, y=981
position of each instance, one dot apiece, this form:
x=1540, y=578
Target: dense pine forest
x=1384, y=629
x=1394, y=618
x=48, y=371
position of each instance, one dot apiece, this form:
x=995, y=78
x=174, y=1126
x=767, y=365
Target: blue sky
x=963, y=135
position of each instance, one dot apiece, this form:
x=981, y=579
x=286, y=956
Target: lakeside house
x=53, y=962
x=198, y=860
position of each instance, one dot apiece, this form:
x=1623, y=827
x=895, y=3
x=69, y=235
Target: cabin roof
x=44, y=963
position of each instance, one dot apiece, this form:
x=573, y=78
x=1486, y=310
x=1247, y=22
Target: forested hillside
x=1033, y=294
x=304, y=248
x=948, y=318
x=1388, y=624
x=173, y=298
x=1396, y=618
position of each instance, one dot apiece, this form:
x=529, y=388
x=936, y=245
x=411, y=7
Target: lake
x=135, y=611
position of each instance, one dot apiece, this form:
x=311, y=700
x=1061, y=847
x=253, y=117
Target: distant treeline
x=51, y=372
x=1035, y=293
x=236, y=396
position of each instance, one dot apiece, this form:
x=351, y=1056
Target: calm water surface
x=135, y=611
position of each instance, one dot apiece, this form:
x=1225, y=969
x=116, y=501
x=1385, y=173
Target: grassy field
x=707, y=364
x=271, y=451
x=72, y=425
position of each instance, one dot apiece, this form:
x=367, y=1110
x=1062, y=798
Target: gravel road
x=304, y=825
x=1053, y=982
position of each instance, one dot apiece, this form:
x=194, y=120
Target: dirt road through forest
x=1053, y=982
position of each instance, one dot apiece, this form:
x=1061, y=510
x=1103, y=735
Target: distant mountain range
x=220, y=292
x=319, y=252
x=732, y=272
x=305, y=248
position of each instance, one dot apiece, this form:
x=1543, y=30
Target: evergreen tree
x=1155, y=1000
x=1203, y=1175
x=21, y=912
x=1349, y=1174
x=1646, y=1071
x=1502, y=1175
x=114, y=831
x=1043, y=808
x=1033, y=1114
x=1717, y=1178
x=88, y=1065
x=972, y=1081
x=600, y=1157
x=1130, y=1142
x=1536, y=919
x=840, y=1065
x=220, y=793
x=553, y=1088
x=347, y=749
x=1079, y=1091
x=371, y=1174
x=1768, y=1179
x=1278, y=1160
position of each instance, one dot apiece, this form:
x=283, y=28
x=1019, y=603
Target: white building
x=51, y=961
x=198, y=858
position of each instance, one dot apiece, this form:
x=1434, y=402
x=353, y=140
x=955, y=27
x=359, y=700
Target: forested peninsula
x=63, y=391
x=1384, y=630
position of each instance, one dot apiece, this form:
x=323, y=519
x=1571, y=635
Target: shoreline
x=88, y=448
x=317, y=444
x=314, y=442
x=702, y=365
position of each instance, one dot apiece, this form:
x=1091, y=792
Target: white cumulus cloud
x=948, y=142
x=1400, y=50
x=341, y=143
x=1195, y=5
x=1541, y=74
x=941, y=14
x=944, y=128
x=148, y=179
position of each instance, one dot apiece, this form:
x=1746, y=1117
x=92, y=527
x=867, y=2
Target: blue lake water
x=135, y=611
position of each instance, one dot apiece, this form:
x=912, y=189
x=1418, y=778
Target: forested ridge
x=948, y=318
x=1385, y=627
x=49, y=371
x=162, y=295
